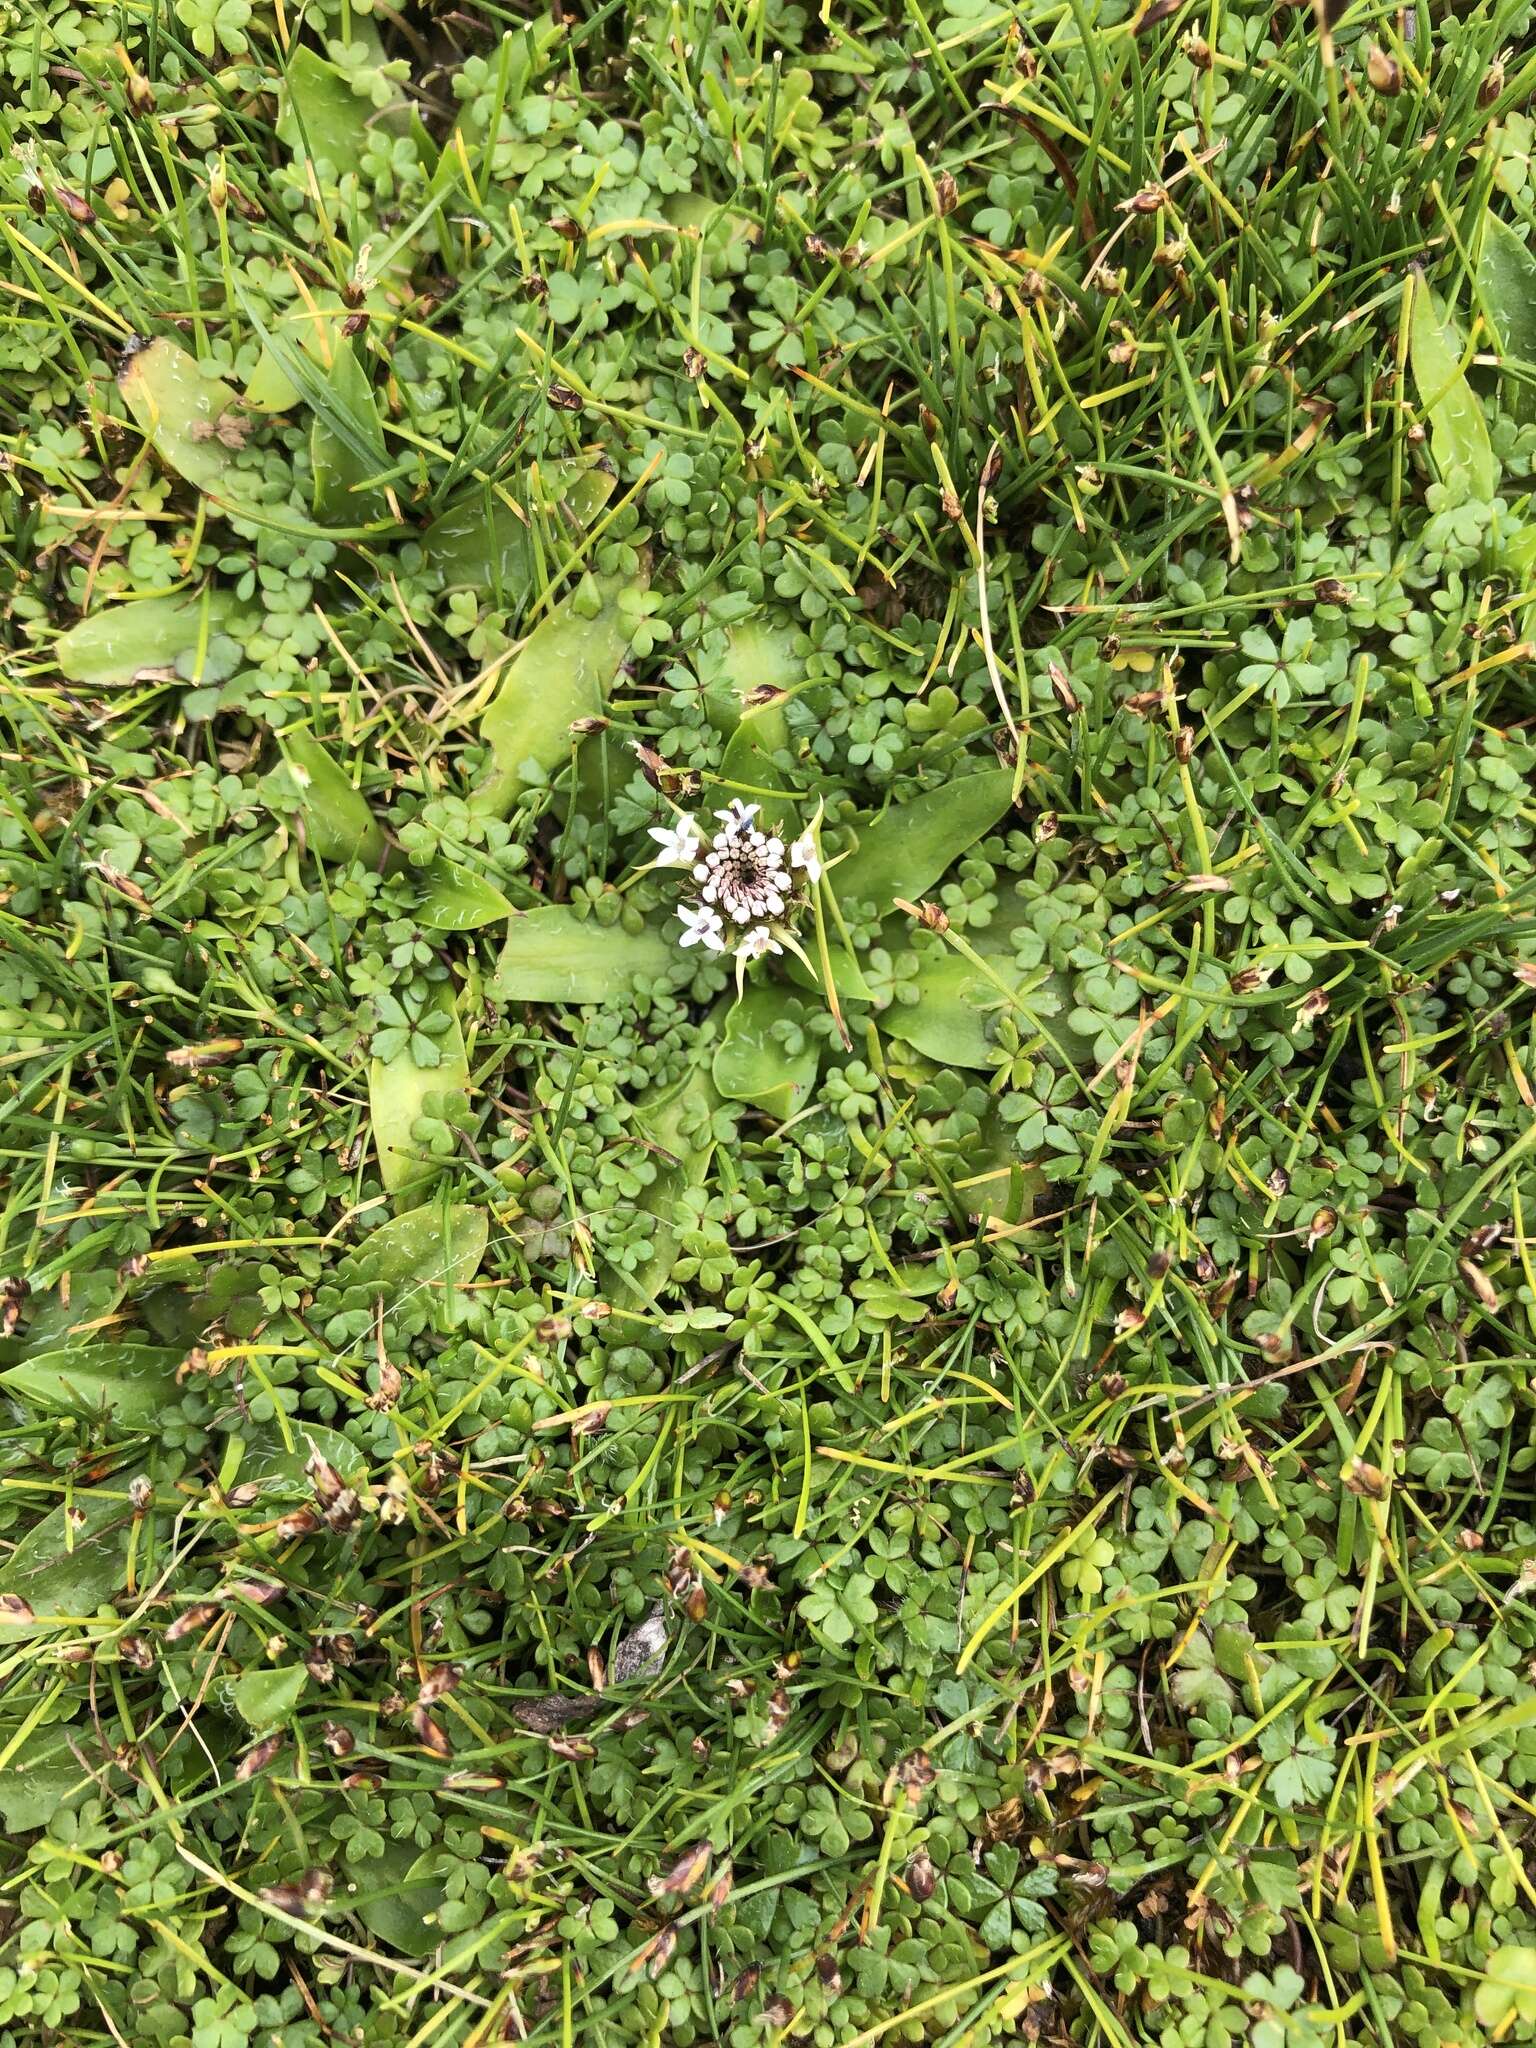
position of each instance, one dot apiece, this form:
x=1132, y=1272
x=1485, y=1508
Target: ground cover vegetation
x=766, y=978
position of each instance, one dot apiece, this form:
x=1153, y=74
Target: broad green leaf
x=1458, y=432
x=561, y=673
x=265, y=1696
x=397, y=1095
x=395, y=1902
x=338, y=823
x=457, y=900
x=757, y=656
x=321, y=116
x=151, y=635
x=910, y=846
x=847, y=975
x=1507, y=1994
x=264, y=1458
x=1506, y=280
x=129, y=1385
x=997, y=1183
x=42, y=1778
x=482, y=541
x=903, y=1299
x=554, y=956
x=181, y=411
x=313, y=326
x=668, y=1122
x=429, y=1247
x=751, y=1064
x=954, y=1016
x=748, y=770
x=347, y=445
x=51, y=1323
x=70, y=1562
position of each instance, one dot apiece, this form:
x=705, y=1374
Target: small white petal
x=756, y=943
x=679, y=842
x=803, y=855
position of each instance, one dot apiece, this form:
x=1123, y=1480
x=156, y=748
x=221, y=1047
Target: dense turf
x=968, y=1478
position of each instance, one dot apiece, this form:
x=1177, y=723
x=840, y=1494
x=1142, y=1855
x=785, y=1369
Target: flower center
x=745, y=874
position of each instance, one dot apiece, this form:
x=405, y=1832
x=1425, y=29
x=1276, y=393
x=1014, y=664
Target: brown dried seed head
x=684, y=1873
x=190, y=1619
x=1066, y=696
x=1384, y=72
x=1369, y=1481
x=258, y=1759
x=429, y=1734
x=438, y=1682
x=261, y=1592
x=1479, y=1283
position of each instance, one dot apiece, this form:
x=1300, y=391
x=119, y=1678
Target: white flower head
x=758, y=942
x=679, y=842
x=750, y=881
x=803, y=855
x=701, y=927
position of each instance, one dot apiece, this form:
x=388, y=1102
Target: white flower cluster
x=747, y=880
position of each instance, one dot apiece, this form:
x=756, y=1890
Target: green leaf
x=909, y=847
x=264, y=1698
x=126, y=1384
x=560, y=674
x=153, y=634
x=747, y=768
x=268, y=1461
x=457, y=900
x=1302, y=1777
x=752, y=1065
x=479, y=540
x=758, y=656
x=397, y=1902
x=847, y=975
x=1508, y=1990
x=997, y=1926
x=953, y=1018
x=397, y=1095
x=180, y=410
x=71, y=1562
x=41, y=1778
x=310, y=327
x=554, y=956
x=347, y=445
x=338, y=823
x=1458, y=432
x=425, y=1248
x=1506, y=281
x=321, y=116
x=51, y=1322
x=667, y=1120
